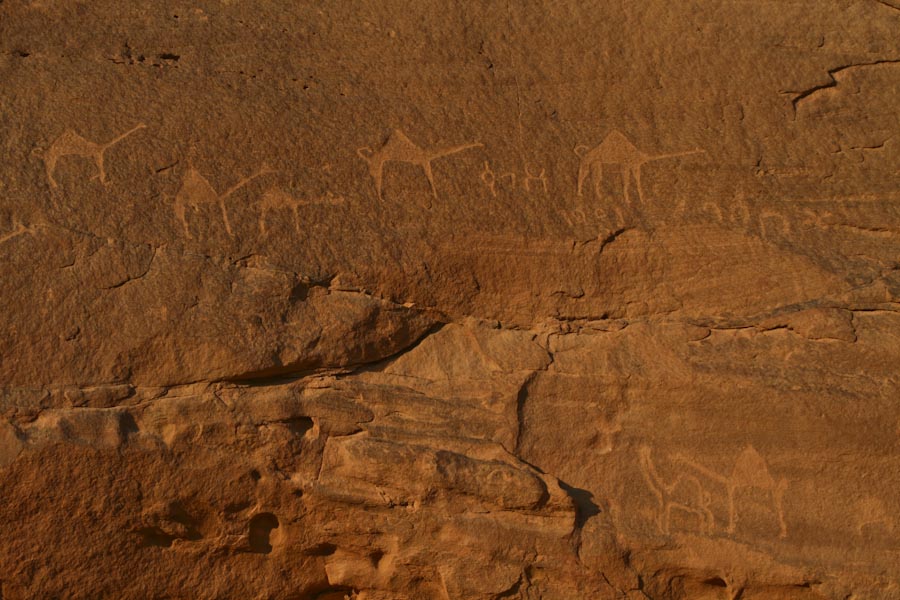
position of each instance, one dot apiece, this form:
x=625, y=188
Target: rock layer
x=400, y=300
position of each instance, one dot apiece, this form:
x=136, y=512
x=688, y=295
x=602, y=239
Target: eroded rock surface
x=382, y=301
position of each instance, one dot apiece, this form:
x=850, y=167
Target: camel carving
x=684, y=493
x=276, y=199
x=871, y=512
x=616, y=149
x=749, y=472
x=72, y=144
x=399, y=148
x=196, y=191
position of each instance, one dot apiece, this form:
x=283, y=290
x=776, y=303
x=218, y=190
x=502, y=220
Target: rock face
x=438, y=301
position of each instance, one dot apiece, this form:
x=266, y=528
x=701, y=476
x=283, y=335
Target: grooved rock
x=418, y=301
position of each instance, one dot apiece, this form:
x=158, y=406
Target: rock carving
x=276, y=199
x=399, y=148
x=750, y=471
x=684, y=492
x=616, y=149
x=196, y=191
x=72, y=144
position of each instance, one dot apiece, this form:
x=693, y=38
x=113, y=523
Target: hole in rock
x=127, y=425
x=299, y=425
x=323, y=549
x=153, y=536
x=261, y=526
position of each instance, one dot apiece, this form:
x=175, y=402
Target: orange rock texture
x=399, y=300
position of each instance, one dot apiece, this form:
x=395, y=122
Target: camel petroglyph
x=616, y=149
x=72, y=144
x=399, y=148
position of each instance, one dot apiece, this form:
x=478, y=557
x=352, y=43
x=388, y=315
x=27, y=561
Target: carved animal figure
x=684, y=493
x=72, y=144
x=870, y=512
x=616, y=149
x=275, y=199
x=750, y=471
x=399, y=148
x=196, y=191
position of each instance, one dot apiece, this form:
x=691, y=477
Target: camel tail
x=118, y=139
x=453, y=150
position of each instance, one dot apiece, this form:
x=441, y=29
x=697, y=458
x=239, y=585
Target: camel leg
x=710, y=521
x=777, y=494
x=597, y=177
x=667, y=517
x=582, y=175
x=731, y=512
x=181, y=213
x=296, y=210
x=262, y=220
x=225, y=217
x=426, y=166
x=378, y=177
x=636, y=172
x=101, y=170
x=50, y=165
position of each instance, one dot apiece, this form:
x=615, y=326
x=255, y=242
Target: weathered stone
x=481, y=300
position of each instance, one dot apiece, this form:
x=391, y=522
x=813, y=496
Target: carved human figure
x=616, y=149
x=399, y=148
x=492, y=180
x=72, y=144
x=684, y=493
x=540, y=177
x=196, y=191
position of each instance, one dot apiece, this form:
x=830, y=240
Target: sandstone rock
x=408, y=300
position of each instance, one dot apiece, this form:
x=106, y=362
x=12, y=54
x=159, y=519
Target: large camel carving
x=399, y=148
x=750, y=471
x=616, y=149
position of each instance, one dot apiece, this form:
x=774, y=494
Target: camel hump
x=750, y=470
x=398, y=136
x=195, y=185
x=617, y=137
x=616, y=148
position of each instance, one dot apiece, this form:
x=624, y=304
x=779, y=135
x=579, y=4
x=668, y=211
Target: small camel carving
x=684, y=493
x=870, y=512
x=72, y=144
x=750, y=471
x=196, y=191
x=275, y=199
x=616, y=149
x=399, y=148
